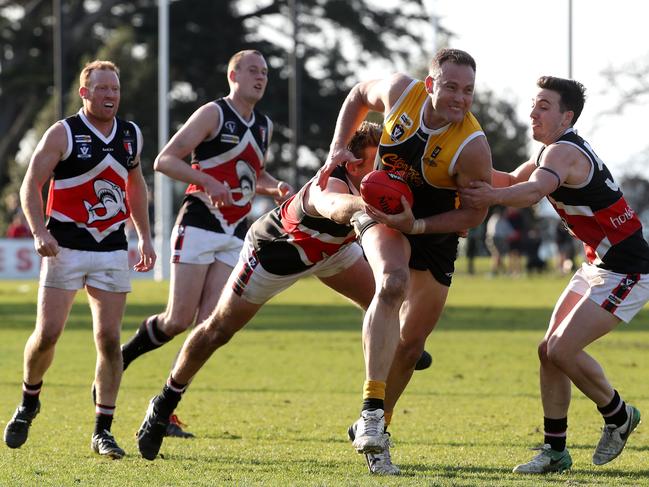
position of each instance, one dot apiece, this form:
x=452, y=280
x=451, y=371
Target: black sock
x=555, y=433
x=147, y=337
x=103, y=418
x=31, y=392
x=615, y=411
x=370, y=404
x=167, y=401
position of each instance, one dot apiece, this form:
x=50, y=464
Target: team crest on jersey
x=230, y=126
x=405, y=120
x=247, y=183
x=397, y=132
x=84, y=151
x=111, y=201
x=128, y=146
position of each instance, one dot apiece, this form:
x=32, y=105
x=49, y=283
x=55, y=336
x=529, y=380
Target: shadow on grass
x=486, y=474
x=324, y=318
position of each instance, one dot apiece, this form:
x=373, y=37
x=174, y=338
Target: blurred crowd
x=518, y=241
x=17, y=227
x=521, y=241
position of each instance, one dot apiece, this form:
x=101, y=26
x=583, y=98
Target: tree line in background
x=337, y=39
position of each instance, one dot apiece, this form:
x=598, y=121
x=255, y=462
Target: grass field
x=273, y=406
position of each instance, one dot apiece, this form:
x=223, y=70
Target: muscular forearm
x=31, y=201
x=139, y=204
x=267, y=185
x=179, y=170
x=501, y=179
x=520, y=195
x=340, y=207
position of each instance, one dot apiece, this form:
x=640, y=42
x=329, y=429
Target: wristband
x=418, y=226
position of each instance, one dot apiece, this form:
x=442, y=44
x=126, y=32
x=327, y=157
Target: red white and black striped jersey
x=87, y=205
x=288, y=240
x=596, y=212
x=235, y=156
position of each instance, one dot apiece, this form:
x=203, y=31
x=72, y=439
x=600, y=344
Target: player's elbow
x=161, y=163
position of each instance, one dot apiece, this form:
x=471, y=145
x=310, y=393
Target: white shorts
x=623, y=295
x=73, y=269
x=253, y=283
x=192, y=245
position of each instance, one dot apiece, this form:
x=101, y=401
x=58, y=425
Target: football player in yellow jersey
x=435, y=143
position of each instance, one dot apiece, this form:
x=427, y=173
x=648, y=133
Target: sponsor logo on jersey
x=84, y=151
x=392, y=162
x=82, y=139
x=617, y=221
x=435, y=152
x=229, y=139
x=230, y=126
x=107, y=149
x=405, y=120
x=397, y=132
x=614, y=299
x=262, y=133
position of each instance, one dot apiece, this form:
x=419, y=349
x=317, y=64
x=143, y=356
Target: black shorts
x=435, y=253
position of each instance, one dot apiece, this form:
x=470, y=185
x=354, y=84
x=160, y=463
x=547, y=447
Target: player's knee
x=174, y=325
x=45, y=338
x=393, y=286
x=558, y=353
x=108, y=344
x=45, y=342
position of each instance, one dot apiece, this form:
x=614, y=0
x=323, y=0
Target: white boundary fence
x=19, y=260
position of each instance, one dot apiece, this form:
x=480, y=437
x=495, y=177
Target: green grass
x=273, y=406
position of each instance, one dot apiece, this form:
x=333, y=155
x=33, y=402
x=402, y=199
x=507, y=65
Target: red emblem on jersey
x=95, y=200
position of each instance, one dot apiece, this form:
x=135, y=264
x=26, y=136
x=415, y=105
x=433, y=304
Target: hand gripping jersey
x=236, y=157
x=287, y=240
x=87, y=205
x=597, y=214
x=424, y=157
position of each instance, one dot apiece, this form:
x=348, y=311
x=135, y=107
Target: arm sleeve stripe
x=553, y=172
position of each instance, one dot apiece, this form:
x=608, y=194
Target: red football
x=383, y=190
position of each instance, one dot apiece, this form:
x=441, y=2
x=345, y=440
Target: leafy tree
x=336, y=37
x=635, y=190
x=506, y=134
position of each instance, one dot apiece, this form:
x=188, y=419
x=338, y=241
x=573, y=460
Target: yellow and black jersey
x=425, y=157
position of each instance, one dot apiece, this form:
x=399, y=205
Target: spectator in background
x=497, y=237
x=473, y=246
x=532, y=246
x=516, y=240
x=18, y=227
x=566, y=250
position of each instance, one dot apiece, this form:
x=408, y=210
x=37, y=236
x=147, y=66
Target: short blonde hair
x=96, y=65
x=235, y=60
